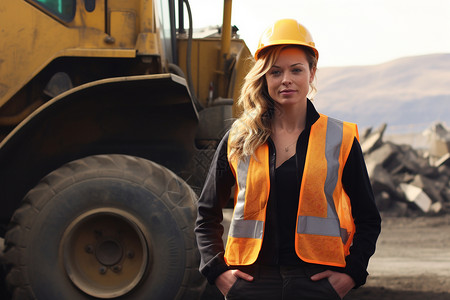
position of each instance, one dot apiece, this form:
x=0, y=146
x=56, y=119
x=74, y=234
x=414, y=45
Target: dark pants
x=282, y=283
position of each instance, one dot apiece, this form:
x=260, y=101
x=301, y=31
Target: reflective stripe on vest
x=240, y=227
x=324, y=224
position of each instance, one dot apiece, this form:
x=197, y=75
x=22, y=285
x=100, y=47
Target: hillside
x=408, y=94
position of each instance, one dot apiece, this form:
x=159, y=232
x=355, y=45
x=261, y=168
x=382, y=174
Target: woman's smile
x=287, y=92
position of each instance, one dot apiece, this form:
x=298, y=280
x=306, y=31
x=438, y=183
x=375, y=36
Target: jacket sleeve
x=214, y=197
x=365, y=214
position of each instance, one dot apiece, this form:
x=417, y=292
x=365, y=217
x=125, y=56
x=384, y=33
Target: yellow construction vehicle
x=110, y=111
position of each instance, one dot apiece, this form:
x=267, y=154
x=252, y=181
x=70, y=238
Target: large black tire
x=106, y=226
x=3, y=291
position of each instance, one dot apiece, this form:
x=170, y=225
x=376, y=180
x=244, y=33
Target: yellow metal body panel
x=31, y=38
x=208, y=70
x=123, y=28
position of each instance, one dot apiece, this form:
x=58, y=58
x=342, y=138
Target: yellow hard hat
x=286, y=31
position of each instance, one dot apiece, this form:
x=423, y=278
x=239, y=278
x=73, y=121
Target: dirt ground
x=412, y=261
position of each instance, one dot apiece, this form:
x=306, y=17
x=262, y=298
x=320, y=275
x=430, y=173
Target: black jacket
x=216, y=194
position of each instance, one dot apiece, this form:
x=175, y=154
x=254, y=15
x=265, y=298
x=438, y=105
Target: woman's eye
x=296, y=70
x=275, y=72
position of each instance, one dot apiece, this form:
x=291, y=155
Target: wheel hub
x=109, y=252
x=105, y=252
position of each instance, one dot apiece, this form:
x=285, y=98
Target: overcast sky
x=346, y=32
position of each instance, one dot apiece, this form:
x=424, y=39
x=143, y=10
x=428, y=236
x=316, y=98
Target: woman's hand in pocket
x=341, y=282
x=226, y=280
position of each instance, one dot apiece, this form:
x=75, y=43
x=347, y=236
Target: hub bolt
x=102, y=270
x=89, y=249
x=117, y=268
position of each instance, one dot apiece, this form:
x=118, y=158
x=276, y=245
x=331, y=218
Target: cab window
x=62, y=9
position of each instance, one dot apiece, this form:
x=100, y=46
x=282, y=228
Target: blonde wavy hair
x=254, y=126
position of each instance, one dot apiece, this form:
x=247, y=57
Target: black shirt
x=287, y=194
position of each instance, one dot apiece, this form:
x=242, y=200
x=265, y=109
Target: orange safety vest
x=325, y=225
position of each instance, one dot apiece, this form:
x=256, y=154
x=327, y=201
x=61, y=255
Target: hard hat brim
x=287, y=42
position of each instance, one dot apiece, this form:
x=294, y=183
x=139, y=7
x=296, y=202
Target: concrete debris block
x=380, y=179
x=370, y=142
x=373, y=140
x=443, y=161
x=439, y=139
x=383, y=155
x=412, y=159
x=441, y=131
x=429, y=171
x=446, y=195
x=432, y=188
x=417, y=196
x=383, y=201
x=444, y=171
x=403, y=177
x=436, y=207
x=383, y=186
x=399, y=209
x=363, y=134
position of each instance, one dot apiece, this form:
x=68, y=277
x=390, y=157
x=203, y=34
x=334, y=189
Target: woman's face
x=289, y=78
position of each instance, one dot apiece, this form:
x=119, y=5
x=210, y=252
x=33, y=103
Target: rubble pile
x=407, y=181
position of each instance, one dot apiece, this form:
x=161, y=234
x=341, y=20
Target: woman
x=305, y=222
